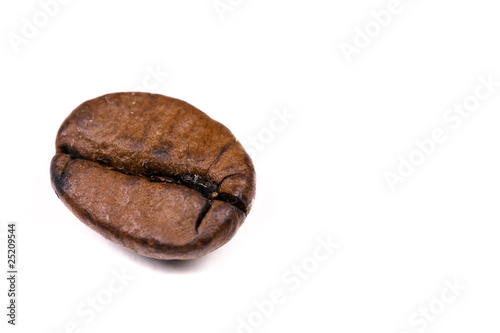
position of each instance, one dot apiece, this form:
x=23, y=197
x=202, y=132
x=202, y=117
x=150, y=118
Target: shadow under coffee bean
x=153, y=174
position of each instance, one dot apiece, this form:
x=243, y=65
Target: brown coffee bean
x=153, y=174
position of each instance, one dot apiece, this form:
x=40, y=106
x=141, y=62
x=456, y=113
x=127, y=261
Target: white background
x=321, y=176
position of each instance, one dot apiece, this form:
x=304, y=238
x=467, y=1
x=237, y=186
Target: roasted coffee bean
x=153, y=174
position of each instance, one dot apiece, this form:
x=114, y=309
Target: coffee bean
x=153, y=174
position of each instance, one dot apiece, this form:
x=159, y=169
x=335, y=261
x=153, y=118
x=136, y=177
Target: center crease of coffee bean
x=207, y=188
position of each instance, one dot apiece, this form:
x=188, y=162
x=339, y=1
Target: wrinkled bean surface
x=153, y=174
